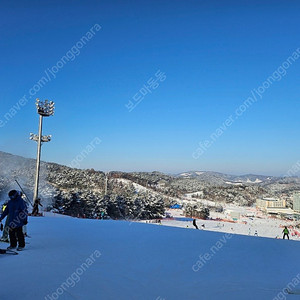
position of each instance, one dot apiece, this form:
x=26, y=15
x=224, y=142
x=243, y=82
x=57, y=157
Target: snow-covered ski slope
x=70, y=258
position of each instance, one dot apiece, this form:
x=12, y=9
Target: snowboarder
x=16, y=212
x=35, y=210
x=194, y=223
x=285, y=233
x=255, y=233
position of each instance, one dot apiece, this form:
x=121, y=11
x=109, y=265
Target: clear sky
x=211, y=56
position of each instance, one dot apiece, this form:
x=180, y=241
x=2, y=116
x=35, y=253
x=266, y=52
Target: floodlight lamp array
x=45, y=108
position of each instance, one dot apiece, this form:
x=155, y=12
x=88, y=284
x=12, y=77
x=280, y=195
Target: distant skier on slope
x=285, y=233
x=102, y=215
x=35, y=211
x=16, y=212
x=194, y=223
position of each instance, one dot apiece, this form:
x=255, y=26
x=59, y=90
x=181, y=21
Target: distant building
x=296, y=202
x=266, y=203
x=234, y=215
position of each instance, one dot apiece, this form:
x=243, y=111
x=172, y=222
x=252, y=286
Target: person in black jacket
x=194, y=223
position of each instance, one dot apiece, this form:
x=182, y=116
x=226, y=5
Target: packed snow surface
x=259, y=225
x=70, y=258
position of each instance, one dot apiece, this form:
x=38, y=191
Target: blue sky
x=213, y=54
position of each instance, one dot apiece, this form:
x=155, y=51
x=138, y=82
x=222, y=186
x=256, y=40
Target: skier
x=35, y=210
x=255, y=233
x=285, y=233
x=16, y=212
x=102, y=215
x=194, y=223
x=5, y=238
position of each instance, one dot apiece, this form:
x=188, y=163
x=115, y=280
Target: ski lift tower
x=44, y=109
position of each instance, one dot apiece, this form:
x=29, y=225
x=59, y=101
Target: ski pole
x=23, y=192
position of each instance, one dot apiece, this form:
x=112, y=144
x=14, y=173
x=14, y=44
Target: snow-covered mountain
x=124, y=195
x=221, y=178
x=87, y=193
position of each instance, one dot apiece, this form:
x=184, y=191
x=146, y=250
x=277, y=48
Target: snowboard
x=10, y=252
x=4, y=241
x=293, y=292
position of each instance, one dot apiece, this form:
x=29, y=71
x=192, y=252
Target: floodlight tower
x=44, y=109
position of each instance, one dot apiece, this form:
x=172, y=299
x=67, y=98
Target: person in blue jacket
x=16, y=210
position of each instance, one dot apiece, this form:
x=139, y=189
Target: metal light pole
x=44, y=109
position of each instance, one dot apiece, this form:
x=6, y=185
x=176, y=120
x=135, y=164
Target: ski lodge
x=266, y=203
